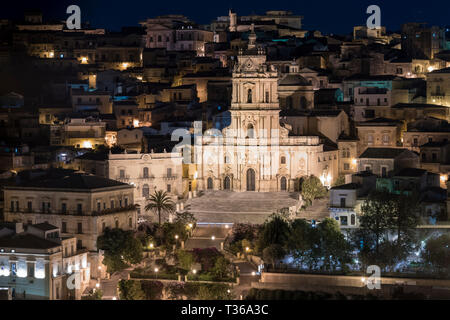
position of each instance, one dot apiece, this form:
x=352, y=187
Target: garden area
x=196, y=265
x=158, y=290
x=387, y=237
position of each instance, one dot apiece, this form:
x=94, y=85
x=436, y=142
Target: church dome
x=294, y=80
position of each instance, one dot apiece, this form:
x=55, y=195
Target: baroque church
x=257, y=151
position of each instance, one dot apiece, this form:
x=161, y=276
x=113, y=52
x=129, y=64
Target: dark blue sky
x=327, y=16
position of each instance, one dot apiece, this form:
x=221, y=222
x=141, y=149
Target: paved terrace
x=239, y=207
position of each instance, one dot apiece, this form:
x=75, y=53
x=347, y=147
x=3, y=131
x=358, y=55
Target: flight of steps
x=238, y=207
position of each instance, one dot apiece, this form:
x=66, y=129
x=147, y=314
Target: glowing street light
x=247, y=249
x=176, y=237
x=190, y=225
x=253, y=273
x=194, y=271
x=213, y=238
x=114, y=298
x=97, y=285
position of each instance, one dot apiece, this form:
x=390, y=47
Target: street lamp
x=97, y=285
x=253, y=273
x=213, y=238
x=156, y=272
x=247, y=249
x=194, y=271
x=114, y=298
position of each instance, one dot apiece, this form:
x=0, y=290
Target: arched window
x=145, y=191
x=289, y=102
x=283, y=160
x=145, y=172
x=250, y=131
x=352, y=219
x=249, y=96
x=210, y=183
x=283, y=184
x=303, y=103
x=227, y=159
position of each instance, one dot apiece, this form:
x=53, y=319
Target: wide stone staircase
x=317, y=211
x=239, y=207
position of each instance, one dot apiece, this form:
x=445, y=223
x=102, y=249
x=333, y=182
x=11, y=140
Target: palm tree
x=159, y=202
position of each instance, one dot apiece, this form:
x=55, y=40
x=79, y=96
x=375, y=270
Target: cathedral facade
x=257, y=152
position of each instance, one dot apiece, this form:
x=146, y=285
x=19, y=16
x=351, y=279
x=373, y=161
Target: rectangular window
x=169, y=172
x=112, y=204
x=383, y=172
x=346, y=166
x=79, y=208
x=13, y=268
x=343, y=202
x=64, y=227
x=31, y=270
x=130, y=222
x=79, y=244
x=80, y=227
x=126, y=202
x=169, y=188
x=63, y=207
x=30, y=206
x=98, y=206
x=344, y=221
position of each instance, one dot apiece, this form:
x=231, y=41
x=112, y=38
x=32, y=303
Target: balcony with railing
x=75, y=212
x=170, y=177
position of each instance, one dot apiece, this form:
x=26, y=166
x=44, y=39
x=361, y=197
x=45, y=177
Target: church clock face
x=248, y=64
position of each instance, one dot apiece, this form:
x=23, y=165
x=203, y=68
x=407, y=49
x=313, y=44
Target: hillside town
x=250, y=158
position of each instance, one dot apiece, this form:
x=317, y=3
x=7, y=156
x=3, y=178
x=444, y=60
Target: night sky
x=326, y=16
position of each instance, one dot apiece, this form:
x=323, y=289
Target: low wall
x=347, y=281
x=352, y=285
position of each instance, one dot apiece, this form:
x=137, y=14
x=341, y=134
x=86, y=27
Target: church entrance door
x=227, y=183
x=251, y=180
